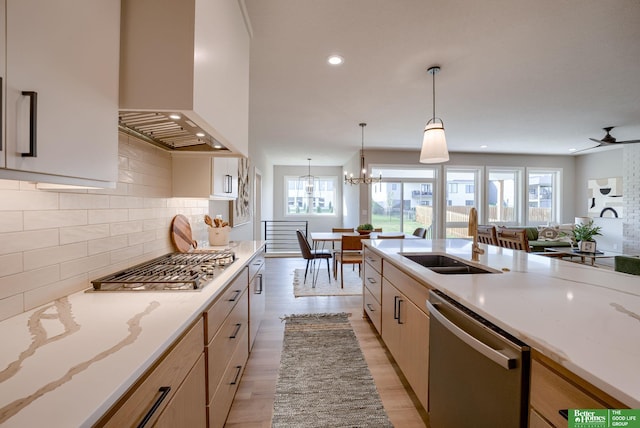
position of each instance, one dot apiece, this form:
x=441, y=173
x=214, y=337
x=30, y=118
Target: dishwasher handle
x=494, y=355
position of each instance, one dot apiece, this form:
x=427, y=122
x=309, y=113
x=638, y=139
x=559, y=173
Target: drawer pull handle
x=399, y=301
x=371, y=280
x=164, y=392
x=236, y=296
x=395, y=308
x=235, y=333
x=235, y=379
x=370, y=307
x=564, y=413
x=260, y=289
x=33, y=123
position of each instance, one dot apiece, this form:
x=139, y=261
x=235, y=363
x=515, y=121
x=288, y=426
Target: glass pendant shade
x=434, y=144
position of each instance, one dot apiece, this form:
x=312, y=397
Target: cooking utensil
x=181, y=234
x=208, y=221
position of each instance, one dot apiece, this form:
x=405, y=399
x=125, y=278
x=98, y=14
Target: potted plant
x=584, y=233
x=365, y=229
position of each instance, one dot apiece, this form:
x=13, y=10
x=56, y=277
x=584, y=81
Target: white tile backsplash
x=53, y=243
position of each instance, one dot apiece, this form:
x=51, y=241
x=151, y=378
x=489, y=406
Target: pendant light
x=434, y=144
x=307, y=182
x=362, y=178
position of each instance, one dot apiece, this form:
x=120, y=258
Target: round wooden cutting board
x=181, y=234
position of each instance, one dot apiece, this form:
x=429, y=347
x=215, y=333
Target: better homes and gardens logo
x=603, y=418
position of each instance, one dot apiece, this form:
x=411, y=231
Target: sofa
x=627, y=264
x=546, y=237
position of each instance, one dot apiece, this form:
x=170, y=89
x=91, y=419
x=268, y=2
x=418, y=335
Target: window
x=458, y=203
x=504, y=187
x=544, y=196
x=404, y=200
x=321, y=201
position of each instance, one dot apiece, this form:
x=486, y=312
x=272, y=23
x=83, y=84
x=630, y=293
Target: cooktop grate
x=174, y=271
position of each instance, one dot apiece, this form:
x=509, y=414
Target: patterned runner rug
x=324, y=380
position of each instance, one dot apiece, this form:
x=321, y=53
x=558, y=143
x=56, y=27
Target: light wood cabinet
x=186, y=407
x=227, y=348
x=554, y=388
x=405, y=332
x=189, y=57
x=61, y=89
x=203, y=176
x=257, y=296
x=176, y=382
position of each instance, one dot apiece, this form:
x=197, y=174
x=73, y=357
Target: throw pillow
x=548, y=234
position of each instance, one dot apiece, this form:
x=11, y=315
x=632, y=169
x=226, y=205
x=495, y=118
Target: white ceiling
x=518, y=76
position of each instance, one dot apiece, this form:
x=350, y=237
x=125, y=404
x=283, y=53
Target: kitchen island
x=65, y=364
x=581, y=318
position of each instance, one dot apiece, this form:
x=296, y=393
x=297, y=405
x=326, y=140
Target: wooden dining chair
x=515, y=239
x=378, y=229
x=336, y=251
x=487, y=235
x=395, y=236
x=309, y=254
x=350, y=253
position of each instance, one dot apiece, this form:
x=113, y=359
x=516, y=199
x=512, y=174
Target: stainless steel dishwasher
x=478, y=373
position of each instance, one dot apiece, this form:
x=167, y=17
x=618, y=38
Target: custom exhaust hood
x=170, y=131
x=184, y=75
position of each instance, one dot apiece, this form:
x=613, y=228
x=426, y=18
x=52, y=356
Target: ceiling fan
x=608, y=140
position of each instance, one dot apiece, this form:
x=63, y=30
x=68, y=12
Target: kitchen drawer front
x=170, y=372
x=255, y=265
x=219, y=407
x=372, y=280
x=216, y=314
x=257, y=305
x=411, y=288
x=373, y=309
x=537, y=421
x=373, y=259
x=188, y=406
x=225, y=342
x=551, y=392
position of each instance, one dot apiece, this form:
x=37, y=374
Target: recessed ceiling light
x=200, y=134
x=174, y=116
x=217, y=146
x=484, y=146
x=572, y=150
x=335, y=60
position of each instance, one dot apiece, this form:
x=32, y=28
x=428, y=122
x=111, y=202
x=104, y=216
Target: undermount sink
x=446, y=265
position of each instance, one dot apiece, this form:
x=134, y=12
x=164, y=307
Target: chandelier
x=362, y=178
x=307, y=182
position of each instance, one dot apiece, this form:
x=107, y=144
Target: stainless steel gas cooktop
x=171, y=272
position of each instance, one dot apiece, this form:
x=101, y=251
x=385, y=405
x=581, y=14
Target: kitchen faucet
x=473, y=231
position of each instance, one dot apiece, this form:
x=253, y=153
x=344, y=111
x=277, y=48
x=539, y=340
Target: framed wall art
x=240, y=208
x=605, y=197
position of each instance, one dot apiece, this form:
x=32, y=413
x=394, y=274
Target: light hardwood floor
x=253, y=404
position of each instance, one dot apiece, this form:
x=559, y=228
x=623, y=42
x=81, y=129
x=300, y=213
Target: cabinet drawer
x=551, y=392
x=372, y=308
x=188, y=407
x=255, y=265
x=219, y=407
x=372, y=281
x=373, y=259
x=225, y=342
x=537, y=421
x=170, y=372
x=415, y=291
x=216, y=314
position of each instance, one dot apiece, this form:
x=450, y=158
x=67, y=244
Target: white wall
x=601, y=164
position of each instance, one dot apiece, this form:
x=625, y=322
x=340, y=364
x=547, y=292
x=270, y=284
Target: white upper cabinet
x=189, y=57
x=61, y=89
x=198, y=176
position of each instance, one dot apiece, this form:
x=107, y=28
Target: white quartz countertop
x=66, y=363
x=586, y=319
